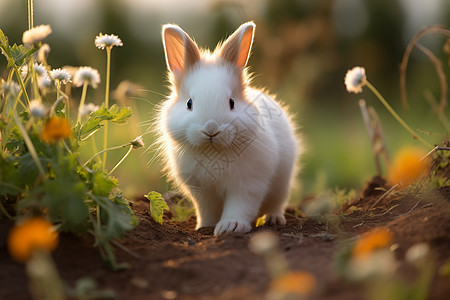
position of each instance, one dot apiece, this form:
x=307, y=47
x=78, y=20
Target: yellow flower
x=408, y=166
x=57, y=128
x=299, y=283
x=371, y=241
x=34, y=233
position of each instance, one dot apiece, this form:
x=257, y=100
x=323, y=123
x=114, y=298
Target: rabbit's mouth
x=211, y=136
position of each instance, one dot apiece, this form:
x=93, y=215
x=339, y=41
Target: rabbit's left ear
x=236, y=48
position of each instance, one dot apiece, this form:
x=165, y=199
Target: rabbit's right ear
x=181, y=52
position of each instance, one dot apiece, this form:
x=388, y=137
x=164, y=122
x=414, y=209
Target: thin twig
x=409, y=211
x=375, y=131
x=30, y=146
x=435, y=107
x=394, y=114
x=440, y=72
x=437, y=148
x=125, y=249
x=103, y=151
x=384, y=196
x=120, y=162
x=429, y=30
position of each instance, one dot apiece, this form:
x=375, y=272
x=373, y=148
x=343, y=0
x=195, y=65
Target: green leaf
x=3, y=39
x=119, y=115
x=157, y=206
x=102, y=184
x=19, y=54
x=64, y=201
x=96, y=120
x=115, y=215
x=65, y=192
x=4, y=45
x=11, y=181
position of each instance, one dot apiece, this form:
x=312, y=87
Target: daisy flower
x=62, y=75
x=355, y=79
x=87, y=109
x=36, y=34
x=10, y=88
x=37, y=109
x=24, y=72
x=86, y=74
x=44, y=82
x=40, y=69
x=107, y=40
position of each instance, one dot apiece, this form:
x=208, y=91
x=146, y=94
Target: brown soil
x=174, y=261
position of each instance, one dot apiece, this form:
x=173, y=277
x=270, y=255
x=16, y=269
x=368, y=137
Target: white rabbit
x=231, y=148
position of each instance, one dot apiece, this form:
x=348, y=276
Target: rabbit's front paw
x=225, y=226
x=275, y=219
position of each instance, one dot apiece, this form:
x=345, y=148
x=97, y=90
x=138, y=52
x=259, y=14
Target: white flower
x=37, y=109
x=36, y=34
x=87, y=109
x=24, y=72
x=40, y=69
x=418, y=253
x=263, y=243
x=86, y=74
x=355, y=79
x=11, y=88
x=44, y=82
x=138, y=142
x=62, y=75
x=43, y=53
x=107, y=40
x=379, y=263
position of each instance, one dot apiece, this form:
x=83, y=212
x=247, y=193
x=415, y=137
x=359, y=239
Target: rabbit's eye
x=231, y=103
x=189, y=104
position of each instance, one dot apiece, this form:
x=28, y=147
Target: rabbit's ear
x=236, y=48
x=181, y=52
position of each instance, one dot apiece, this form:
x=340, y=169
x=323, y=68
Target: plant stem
x=30, y=146
x=83, y=99
x=105, y=150
x=123, y=158
x=108, y=70
x=34, y=81
x=22, y=86
x=395, y=115
x=30, y=14
x=3, y=210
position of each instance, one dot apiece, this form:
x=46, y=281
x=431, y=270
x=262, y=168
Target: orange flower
x=299, y=283
x=371, y=241
x=34, y=233
x=57, y=128
x=409, y=165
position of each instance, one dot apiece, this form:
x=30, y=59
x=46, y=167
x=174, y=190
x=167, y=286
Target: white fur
x=246, y=169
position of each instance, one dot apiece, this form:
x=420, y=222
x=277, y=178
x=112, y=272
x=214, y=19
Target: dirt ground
x=174, y=261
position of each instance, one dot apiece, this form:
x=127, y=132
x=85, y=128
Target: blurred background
x=301, y=52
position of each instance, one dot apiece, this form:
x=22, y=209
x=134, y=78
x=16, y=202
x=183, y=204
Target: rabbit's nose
x=211, y=129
